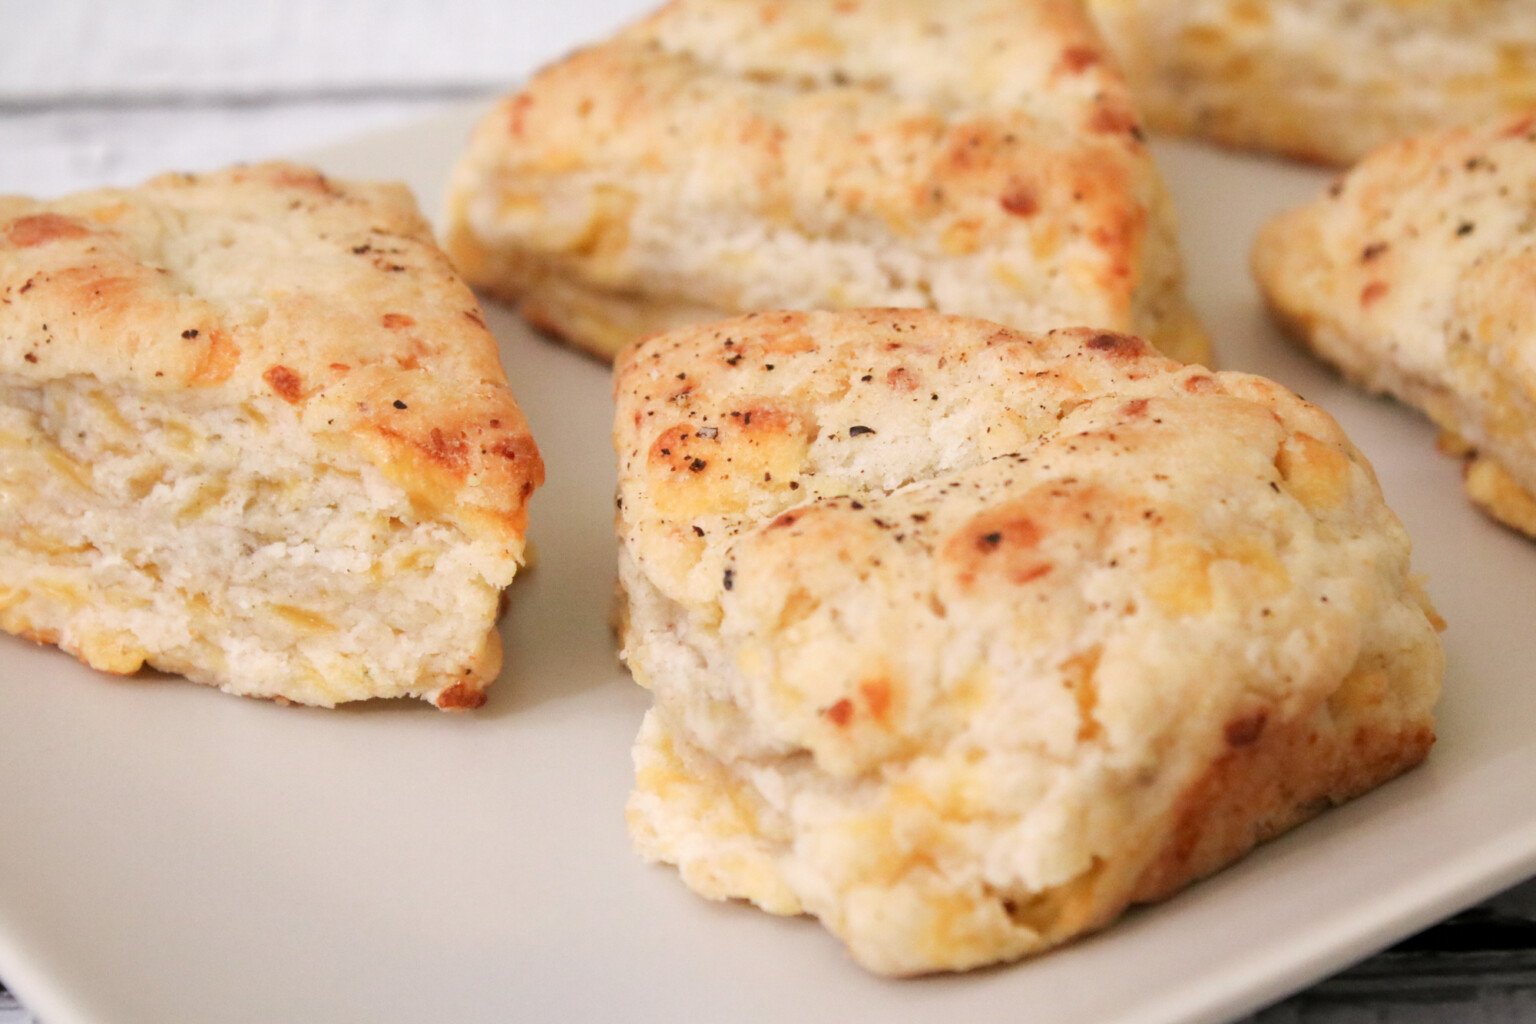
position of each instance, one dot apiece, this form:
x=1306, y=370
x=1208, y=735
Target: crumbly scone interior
x=627, y=214
x=228, y=542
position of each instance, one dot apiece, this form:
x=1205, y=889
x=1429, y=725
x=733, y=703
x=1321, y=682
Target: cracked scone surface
x=973, y=156
x=253, y=430
x=963, y=639
x=1415, y=275
x=1322, y=80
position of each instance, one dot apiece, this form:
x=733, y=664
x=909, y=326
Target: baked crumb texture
x=973, y=156
x=963, y=639
x=1415, y=275
x=253, y=430
x=1322, y=80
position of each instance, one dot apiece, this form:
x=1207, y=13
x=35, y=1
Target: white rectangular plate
x=168, y=853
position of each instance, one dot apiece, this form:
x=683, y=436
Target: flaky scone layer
x=1322, y=80
x=976, y=156
x=255, y=431
x=963, y=639
x=1416, y=276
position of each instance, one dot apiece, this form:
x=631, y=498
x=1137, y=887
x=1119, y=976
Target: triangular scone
x=253, y=429
x=962, y=639
x=1322, y=80
x=971, y=156
x=1416, y=276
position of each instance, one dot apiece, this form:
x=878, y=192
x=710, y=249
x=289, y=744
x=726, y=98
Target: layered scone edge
x=257, y=434
x=720, y=157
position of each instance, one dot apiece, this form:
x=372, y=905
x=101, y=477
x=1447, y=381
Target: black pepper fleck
x=859, y=430
x=399, y=404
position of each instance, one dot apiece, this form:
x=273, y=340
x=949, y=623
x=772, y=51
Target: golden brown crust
x=273, y=279
x=1271, y=780
x=1499, y=494
x=1415, y=276
x=963, y=638
x=699, y=163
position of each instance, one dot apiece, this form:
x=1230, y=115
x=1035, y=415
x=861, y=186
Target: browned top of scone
x=1415, y=274
x=274, y=280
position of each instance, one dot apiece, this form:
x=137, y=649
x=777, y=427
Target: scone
x=963, y=639
x=1416, y=276
x=1322, y=80
x=253, y=430
x=971, y=156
